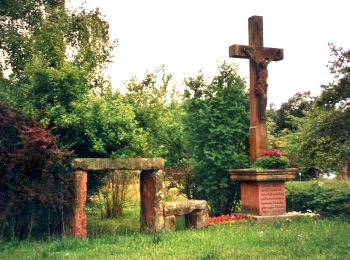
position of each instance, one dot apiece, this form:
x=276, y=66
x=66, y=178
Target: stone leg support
x=77, y=222
x=151, y=196
x=170, y=223
x=198, y=219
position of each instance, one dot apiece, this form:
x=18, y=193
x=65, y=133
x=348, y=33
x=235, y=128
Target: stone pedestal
x=77, y=221
x=151, y=195
x=263, y=192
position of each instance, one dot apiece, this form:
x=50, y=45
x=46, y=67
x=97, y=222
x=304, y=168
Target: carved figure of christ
x=259, y=57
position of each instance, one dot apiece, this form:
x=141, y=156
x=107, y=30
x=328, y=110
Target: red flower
x=228, y=217
x=271, y=153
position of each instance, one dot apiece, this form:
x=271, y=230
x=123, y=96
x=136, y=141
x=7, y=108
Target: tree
x=51, y=54
x=296, y=107
x=53, y=67
x=335, y=97
x=216, y=127
x=159, y=113
x=322, y=136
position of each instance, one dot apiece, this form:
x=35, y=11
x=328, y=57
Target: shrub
x=271, y=159
x=34, y=178
x=216, y=126
x=112, y=197
x=328, y=198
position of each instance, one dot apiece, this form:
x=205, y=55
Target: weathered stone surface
x=77, y=223
x=267, y=219
x=151, y=195
x=179, y=208
x=117, y=164
x=263, y=175
x=199, y=219
x=170, y=223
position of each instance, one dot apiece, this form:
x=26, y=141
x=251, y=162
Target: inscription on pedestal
x=272, y=198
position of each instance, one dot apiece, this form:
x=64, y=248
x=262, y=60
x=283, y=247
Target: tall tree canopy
x=51, y=54
x=322, y=138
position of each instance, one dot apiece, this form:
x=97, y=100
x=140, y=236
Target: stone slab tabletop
x=251, y=174
x=94, y=164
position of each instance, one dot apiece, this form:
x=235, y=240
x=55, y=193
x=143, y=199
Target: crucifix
x=259, y=58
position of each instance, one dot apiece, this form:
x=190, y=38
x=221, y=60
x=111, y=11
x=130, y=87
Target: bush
x=328, y=198
x=217, y=127
x=112, y=197
x=34, y=180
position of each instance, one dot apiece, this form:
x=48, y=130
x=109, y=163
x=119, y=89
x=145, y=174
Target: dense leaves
x=321, y=137
x=216, y=128
x=328, y=198
x=34, y=180
x=159, y=113
x=295, y=107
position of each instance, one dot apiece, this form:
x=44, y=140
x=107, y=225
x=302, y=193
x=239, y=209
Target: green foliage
x=52, y=56
x=296, y=107
x=330, y=198
x=273, y=162
x=321, y=137
x=31, y=29
x=112, y=197
x=216, y=127
x=158, y=112
x=101, y=126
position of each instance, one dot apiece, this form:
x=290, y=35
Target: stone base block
x=263, y=198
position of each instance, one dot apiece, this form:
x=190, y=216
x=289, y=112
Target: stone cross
x=259, y=58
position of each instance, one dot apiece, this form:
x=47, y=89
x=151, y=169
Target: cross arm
x=239, y=51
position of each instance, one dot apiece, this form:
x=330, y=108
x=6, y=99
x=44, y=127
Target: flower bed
x=225, y=218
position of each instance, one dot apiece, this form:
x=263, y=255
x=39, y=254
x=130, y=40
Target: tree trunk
x=344, y=170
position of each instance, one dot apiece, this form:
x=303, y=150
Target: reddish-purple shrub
x=34, y=178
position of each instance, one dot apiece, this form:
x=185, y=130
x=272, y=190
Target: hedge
x=326, y=197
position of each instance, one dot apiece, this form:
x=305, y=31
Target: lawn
x=305, y=238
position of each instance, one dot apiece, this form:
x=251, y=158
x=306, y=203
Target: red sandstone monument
x=262, y=191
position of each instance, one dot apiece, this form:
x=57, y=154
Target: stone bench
x=196, y=210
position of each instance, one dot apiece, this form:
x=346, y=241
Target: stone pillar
x=151, y=196
x=77, y=221
x=170, y=223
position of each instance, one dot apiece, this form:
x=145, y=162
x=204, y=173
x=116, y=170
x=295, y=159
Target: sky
x=192, y=35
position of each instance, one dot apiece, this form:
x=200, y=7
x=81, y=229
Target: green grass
x=304, y=238
x=119, y=238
